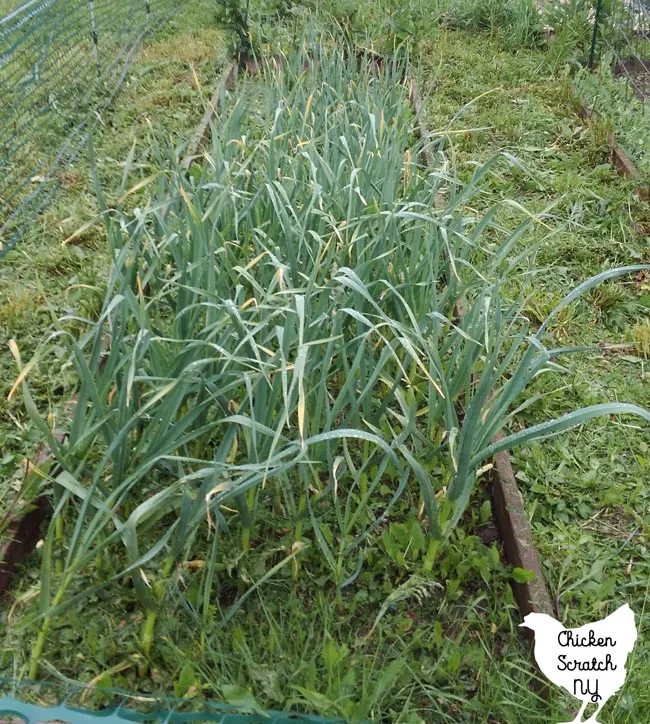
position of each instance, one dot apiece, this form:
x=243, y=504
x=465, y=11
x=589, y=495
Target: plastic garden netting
x=61, y=63
x=38, y=703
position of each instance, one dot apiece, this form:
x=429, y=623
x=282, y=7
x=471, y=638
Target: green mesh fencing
x=61, y=63
x=41, y=703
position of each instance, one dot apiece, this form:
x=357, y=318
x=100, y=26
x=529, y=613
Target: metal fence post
x=594, y=37
x=147, y=4
x=93, y=33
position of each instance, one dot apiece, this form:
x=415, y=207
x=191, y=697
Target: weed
x=640, y=335
x=233, y=15
x=518, y=21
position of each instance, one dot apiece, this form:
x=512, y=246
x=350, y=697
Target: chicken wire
x=31, y=702
x=621, y=31
x=61, y=63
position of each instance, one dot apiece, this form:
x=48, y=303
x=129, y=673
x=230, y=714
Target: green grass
x=586, y=494
x=614, y=89
x=451, y=654
x=6, y=6
x=612, y=98
x=43, y=277
x=56, y=80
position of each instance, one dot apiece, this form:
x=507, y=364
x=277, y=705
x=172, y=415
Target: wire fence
x=61, y=64
x=622, y=28
x=621, y=35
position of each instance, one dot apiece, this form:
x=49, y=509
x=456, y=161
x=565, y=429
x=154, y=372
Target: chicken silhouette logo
x=589, y=662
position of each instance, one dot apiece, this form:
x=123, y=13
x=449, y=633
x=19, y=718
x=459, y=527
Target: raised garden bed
x=510, y=511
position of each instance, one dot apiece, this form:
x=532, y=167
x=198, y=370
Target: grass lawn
x=587, y=492
x=436, y=654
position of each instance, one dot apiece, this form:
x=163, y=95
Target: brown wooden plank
x=24, y=532
x=517, y=536
x=620, y=158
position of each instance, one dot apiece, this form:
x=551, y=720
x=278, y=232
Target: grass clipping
x=283, y=338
